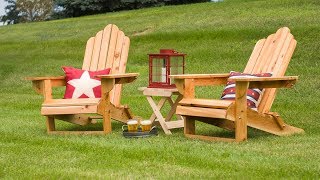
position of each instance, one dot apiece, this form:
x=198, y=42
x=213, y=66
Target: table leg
x=160, y=105
x=172, y=110
x=157, y=112
x=174, y=107
x=179, y=122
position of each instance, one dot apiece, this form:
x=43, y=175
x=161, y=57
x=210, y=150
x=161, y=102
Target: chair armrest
x=108, y=83
x=54, y=80
x=45, y=78
x=198, y=76
x=186, y=83
x=267, y=82
x=120, y=78
x=202, y=79
x=43, y=85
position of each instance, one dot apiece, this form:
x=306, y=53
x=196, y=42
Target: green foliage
x=12, y=15
x=75, y=8
x=39, y=10
x=27, y=11
x=34, y=10
x=217, y=38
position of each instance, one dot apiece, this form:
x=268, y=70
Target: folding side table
x=166, y=96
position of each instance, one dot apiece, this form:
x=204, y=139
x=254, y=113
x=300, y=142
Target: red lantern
x=167, y=62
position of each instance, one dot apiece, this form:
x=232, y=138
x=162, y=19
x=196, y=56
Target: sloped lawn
x=217, y=37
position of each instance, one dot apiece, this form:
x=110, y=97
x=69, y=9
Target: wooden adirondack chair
x=108, y=49
x=269, y=55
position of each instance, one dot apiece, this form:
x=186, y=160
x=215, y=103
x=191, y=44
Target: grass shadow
x=65, y=126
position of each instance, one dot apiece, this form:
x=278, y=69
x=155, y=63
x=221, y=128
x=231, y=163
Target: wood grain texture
x=173, y=106
x=189, y=89
x=175, y=124
x=69, y=110
x=122, y=69
x=108, y=49
x=112, y=46
x=271, y=54
x=198, y=76
x=114, y=76
x=106, y=35
x=159, y=106
x=180, y=84
x=241, y=111
x=47, y=89
x=50, y=124
x=159, y=116
x=189, y=125
x=96, y=51
x=104, y=106
x=264, y=122
x=201, y=112
x=44, y=78
x=70, y=102
x=116, y=67
x=281, y=67
x=254, y=56
x=265, y=52
x=209, y=103
x=166, y=96
x=122, y=114
x=88, y=54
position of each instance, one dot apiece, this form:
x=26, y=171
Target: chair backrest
x=271, y=55
x=108, y=49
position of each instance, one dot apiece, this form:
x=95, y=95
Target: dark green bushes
x=75, y=8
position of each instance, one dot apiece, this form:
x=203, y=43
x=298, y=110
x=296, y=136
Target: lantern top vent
x=168, y=52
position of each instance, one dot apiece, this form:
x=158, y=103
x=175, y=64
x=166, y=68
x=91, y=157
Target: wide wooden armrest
x=186, y=83
x=198, y=76
x=267, y=82
x=120, y=78
x=200, y=79
x=43, y=85
x=110, y=76
x=45, y=78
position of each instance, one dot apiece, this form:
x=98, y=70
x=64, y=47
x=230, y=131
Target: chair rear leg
x=50, y=124
x=189, y=125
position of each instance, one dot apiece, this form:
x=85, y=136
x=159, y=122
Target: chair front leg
x=104, y=107
x=241, y=111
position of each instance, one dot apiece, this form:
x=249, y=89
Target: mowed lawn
x=217, y=38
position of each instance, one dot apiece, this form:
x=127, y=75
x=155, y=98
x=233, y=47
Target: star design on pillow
x=84, y=85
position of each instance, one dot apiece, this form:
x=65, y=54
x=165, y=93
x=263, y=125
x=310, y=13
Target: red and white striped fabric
x=253, y=95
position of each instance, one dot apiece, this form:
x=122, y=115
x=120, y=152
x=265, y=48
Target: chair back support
x=108, y=49
x=271, y=55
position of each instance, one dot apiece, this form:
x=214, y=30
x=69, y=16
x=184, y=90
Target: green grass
x=218, y=37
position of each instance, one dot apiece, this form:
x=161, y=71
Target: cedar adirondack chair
x=269, y=55
x=108, y=49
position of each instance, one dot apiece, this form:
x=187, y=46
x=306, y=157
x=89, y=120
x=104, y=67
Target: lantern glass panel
x=159, y=70
x=176, y=65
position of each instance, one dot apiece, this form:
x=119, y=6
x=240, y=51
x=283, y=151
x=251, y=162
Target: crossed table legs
x=166, y=96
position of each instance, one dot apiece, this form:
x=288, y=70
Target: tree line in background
x=19, y=11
